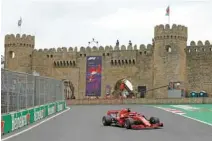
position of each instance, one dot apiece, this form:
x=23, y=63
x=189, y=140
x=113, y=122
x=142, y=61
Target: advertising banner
x=93, y=76
x=15, y=120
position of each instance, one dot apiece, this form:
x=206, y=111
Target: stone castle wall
x=199, y=66
x=120, y=62
x=154, y=65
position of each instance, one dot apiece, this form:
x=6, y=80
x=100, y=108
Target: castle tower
x=18, y=52
x=169, y=57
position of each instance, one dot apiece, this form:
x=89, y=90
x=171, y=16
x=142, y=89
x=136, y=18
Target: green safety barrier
x=16, y=120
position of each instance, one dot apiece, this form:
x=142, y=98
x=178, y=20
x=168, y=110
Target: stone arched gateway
x=123, y=87
x=68, y=89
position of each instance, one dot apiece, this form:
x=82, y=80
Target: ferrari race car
x=130, y=120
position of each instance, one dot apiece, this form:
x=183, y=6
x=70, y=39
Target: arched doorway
x=68, y=89
x=124, y=88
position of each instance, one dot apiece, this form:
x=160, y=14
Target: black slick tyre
x=106, y=120
x=154, y=120
x=128, y=123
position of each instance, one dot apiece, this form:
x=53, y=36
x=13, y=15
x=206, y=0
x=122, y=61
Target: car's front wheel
x=154, y=120
x=128, y=123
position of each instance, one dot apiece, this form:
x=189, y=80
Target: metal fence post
x=18, y=101
x=33, y=92
x=62, y=90
x=8, y=97
x=26, y=92
x=38, y=91
x=8, y=103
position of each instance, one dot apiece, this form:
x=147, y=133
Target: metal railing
x=22, y=90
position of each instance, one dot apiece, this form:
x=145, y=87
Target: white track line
x=185, y=116
x=197, y=120
x=21, y=132
x=174, y=111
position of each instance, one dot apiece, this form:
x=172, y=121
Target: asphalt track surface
x=83, y=123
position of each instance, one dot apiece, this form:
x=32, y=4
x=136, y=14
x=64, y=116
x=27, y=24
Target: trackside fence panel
x=21, y=91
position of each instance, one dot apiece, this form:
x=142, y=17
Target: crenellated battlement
x=199, y=47
x=200, y=43
x=169, y=57
x=175, y=32
x=17, y=40
x=95, y=49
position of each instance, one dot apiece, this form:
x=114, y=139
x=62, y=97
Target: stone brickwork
x=169, y=56
x=199, y=66
x=167, y=59
x=19, y=52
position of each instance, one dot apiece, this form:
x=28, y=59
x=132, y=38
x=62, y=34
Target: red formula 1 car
x=130, y=120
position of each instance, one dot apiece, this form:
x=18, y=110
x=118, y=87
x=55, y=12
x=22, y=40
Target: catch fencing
x=21, y=90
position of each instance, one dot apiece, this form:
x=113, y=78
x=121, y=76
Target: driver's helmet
x=128, y=110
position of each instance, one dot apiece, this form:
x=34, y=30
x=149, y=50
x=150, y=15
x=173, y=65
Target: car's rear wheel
x=154, y=120
x=106, y=120
x=128, y=123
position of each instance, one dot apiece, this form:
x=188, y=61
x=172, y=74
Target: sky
x=71, y=23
